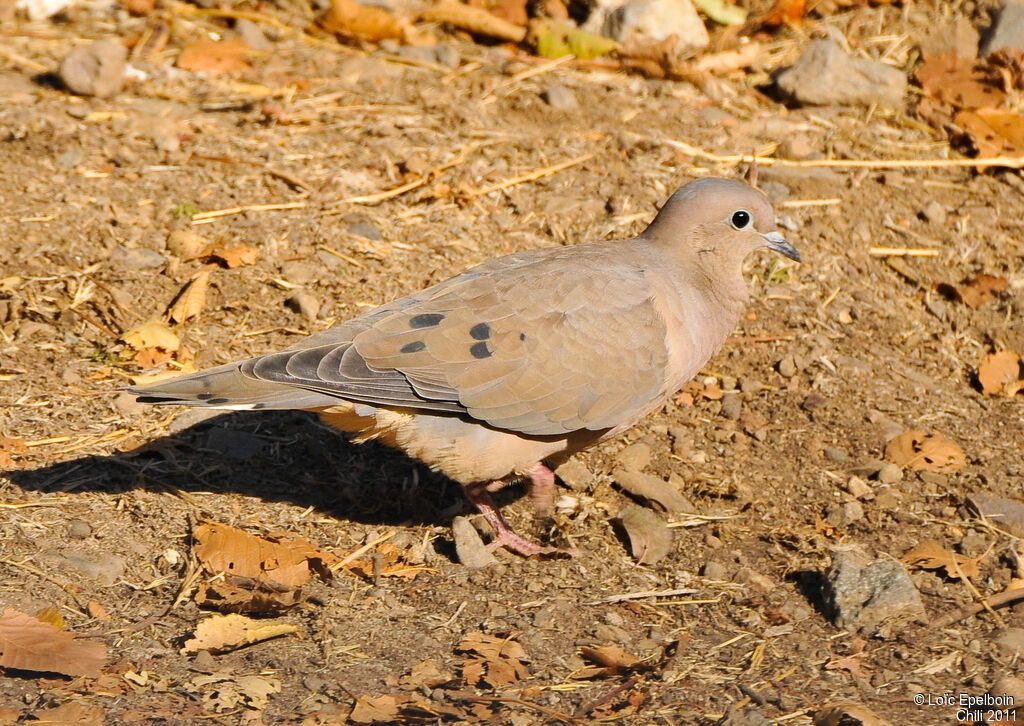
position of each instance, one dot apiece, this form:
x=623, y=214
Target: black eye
x=740, y=219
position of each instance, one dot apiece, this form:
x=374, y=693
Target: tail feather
x=226, y=387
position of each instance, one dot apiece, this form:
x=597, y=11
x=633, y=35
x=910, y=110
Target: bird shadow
x=278, y=456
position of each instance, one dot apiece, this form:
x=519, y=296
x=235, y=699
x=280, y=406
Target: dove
x=504, y=371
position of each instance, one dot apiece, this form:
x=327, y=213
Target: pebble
x=127, y=405
x=750, y=385
x=446, y=55
x=1010, y=688
x=303, y=302
x=252, y=34
x=749, y=576
x=826, y=75
x=875, y=598
x=787, y=367
x=732, y=406
x=185, y=244
x=635, y=457
x=890, y=474
x=559, y=97
x=79, y=529
x=647, y=20
x=469, y=548
x=1010, y=642
x=935, y=212
x=714, y=571
x=364, y=229
x=136, y=258
x=96, y=69
x=858, y=487
x=834, y=454
x=1008, y=29
x=299, y=272
x=103, y=567
x=813, y=401
x=575, y=475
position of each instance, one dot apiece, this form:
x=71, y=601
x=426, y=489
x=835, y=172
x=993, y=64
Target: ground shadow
x=279, y=456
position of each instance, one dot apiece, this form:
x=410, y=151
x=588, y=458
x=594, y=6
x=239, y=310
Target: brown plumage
x=517, y=363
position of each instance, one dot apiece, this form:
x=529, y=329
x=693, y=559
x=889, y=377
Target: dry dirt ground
x=98, y=509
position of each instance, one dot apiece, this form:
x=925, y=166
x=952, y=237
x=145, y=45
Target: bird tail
x=226, y=387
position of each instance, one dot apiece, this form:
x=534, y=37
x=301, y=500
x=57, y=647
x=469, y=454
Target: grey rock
x=1010, y=642
x=890, y=474
x=102, y=567
x=639, y=20
x=732, y=406
x=1008, y=29
x=714, y=571
x=635, y=456
x=252, y=34
x=136, y=258
x=364, y=229
x=469, y=548
x=825, y=74
x=1010, y=688
x=446, y=55
x=1006, y=513
x=874, y=598
x=96, y=69
x=653, y=489
x=304, y=303
x=559, y=97
x=575, y=474
x=787, y=367
x=298, y=272
x=834, y=454
x=650, y=539
x=79, y=529
x=934, y=212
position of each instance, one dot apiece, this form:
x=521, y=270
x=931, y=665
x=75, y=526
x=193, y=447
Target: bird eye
x=740, y=219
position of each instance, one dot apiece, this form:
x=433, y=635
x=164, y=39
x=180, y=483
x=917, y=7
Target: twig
x=586, y=708
x=641, y=595
x=802, y=203
x=536, y=174
x=18, y=59
x=473, y=698
x=903, y=252
x=362, y=550
x=387, y=194
x=1010, y=162
x=94, y=323
x=205, y=217
x=529, y=73
x=1000, y=599
x=759, y=339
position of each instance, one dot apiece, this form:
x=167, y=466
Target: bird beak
x=780, y=244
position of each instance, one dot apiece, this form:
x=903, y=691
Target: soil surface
x=836, y=356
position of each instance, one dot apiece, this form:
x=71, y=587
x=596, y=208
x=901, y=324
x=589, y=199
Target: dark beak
x=780, y=244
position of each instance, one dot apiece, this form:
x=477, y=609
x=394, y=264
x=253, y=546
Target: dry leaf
x=959, y=82
x=426, y=674
x=152, y=334
x=223, y=633
x=976, y=291
x=847, y=714
x=70, y=714
x=783, y=12
x=609, y=660
x=230, y=692
x=474, y=20
x=930, y=555
x=152, y=357
x=917, y=450
x=52, y=616
x=495, y=660
x=994, y=132
x=350, y=19
x=375, y=709
x=191, y=299
x=1000, y=374
x=286, y=559
x=29, y=644
x=215, y=56
x=650, y=539
x=651, y=488
x=229, y=598
x=231, y=257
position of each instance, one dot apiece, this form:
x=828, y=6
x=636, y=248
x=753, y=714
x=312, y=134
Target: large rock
x=640, y=21
x=825, y=74
x=1008, y=29
x=874, y=598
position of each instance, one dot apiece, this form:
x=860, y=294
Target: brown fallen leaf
x=152, y=334
x=11, y=446
x=474, y=20
x=959, y=82
x=853, y=664
x=930, y=555
x=71, y=713
x=917, y=450
x=229, y=598
x=497, y=661
x=374, y=709
x=650, y=539
x=426, y=674
x=223, y=633
x=152, y=357
x=1000, y=374
x=975, y=291
x=191, y=299
x=231, y=257
x=993, y=131
x=350, y=19
x=847, y=714
x=29, y=644
x=286, y=561
x=215, y=56
x=609, y=660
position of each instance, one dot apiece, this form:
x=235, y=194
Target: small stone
x=185, y=244
x=1010, y=642
x=889, y=474
x=732, y=406
x=637, y=21
x=303, y=302
x=652, y=489
x=798, y=147
x=559, y=97
x=364, y=229
x=749, y=576
x=876, y=598
x=858, y=487
x=1008, y=29
x=96, y=69
x=834, y=454
x=469, y=548
x=935, y=213
x=751, y=385
x=1010, y=689
x=103, y=567
x=252, y=34
x=714, y=571
x=682, y=442
x=136, y=258
x=635, y=457
x=887, y=499
x=787, y=367
x=853, y=511
x=812, y=401
x=575, y=474
x=128, y=406
x=298, y=272
x=204, y=662
x=826, y=75
x=446, y=55
x=79, y=529
x=712, y=541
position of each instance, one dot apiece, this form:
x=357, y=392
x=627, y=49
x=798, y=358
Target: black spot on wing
x=522, y=336
x=480, y=331
x=217, y=401
x=414, y=347
x=425, y=320
x=480, y=350
x=204, y=396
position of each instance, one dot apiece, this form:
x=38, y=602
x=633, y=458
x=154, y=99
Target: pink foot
x=504, y=535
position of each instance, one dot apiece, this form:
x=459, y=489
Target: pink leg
x=504, y=536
